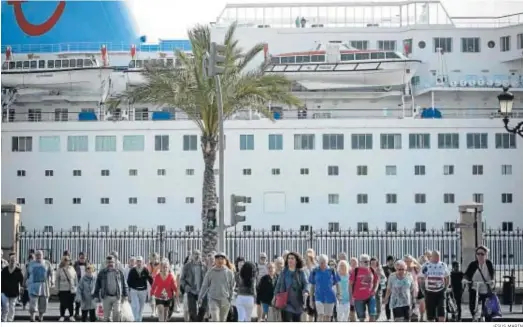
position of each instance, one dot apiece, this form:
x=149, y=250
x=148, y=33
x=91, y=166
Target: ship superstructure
x=399, y=124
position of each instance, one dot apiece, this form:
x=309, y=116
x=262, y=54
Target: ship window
x=79, y=62
x=5, y=65
x=88, y=63
x=50, y=63
x=153, y=62
x=288, y=60
x=318, y=58
x=41, y=64
x=347, y=56
x=34, y=64
x=19, y=65
x=65, y=63
x=392, y=55
x=72, y=63
x=303, y=59
x=139, y=63
x=26, y=64
x=170, y=62
x=12, y=65
x=377, y=55
x=132, y=63
x=360, y=45
x=58, y=64
x=362, y=56
x=275, y=60
x=146, y=62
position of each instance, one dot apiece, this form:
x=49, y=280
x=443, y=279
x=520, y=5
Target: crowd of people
x=291, y=288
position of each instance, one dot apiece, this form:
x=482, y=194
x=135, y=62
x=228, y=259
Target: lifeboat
x=337, y=65
x=72, y=73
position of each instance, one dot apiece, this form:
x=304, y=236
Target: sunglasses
x=480, y=254
x=365, y=262
x=401, y=269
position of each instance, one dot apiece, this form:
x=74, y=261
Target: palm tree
x=185, y=88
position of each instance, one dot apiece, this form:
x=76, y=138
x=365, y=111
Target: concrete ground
x=53, y=314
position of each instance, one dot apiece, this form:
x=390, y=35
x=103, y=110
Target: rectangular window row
x=106, y=200
x=361, y=170
x=108, y=143
x=473, y=44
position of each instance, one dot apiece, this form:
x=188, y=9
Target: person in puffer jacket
x=85, y=294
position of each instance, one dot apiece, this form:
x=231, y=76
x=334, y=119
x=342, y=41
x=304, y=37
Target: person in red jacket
x=164, y=290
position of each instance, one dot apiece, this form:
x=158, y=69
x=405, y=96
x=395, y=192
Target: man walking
x=191, y=281
x=137, y=281
x=218, y=285
x=111, y=289
x=388, y=269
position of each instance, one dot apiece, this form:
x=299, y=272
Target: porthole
x=491, y=44
x=422, y=44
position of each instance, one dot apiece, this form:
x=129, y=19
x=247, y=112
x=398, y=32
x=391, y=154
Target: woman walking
x=374, y=264
x=12, y=281
x=246, y=291
x=265, y=291
x=293, y=281
x=85, y=294
x=66, y=284
x=401, y=292
x=414, y=268
x=343, y=307
x=164, y=290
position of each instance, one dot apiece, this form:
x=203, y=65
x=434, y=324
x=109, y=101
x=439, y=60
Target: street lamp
x=506, y=101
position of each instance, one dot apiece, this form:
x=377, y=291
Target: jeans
x=245, y=306
x=8, y=308
x=137, y=303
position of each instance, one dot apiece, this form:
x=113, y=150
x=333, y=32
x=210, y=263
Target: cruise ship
x=399, y=123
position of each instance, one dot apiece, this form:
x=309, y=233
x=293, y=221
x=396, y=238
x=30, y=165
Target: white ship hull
x=72, y=79
x=354, y=75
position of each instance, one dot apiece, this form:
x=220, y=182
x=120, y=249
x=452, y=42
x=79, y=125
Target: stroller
x=452, y=307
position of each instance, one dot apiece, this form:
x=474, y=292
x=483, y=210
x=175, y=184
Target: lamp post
x=506, y=101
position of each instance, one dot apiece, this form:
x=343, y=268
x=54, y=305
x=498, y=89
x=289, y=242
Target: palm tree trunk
x=209, y=236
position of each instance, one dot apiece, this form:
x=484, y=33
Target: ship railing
x=13, y=117
x=488, y=22
x=82, y=47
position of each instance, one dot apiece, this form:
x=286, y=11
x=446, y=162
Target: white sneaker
x=71, y=319
x=61, y=319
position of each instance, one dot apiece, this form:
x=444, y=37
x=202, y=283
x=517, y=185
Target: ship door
x=333, y=53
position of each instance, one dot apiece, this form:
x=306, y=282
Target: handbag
x=492, y=306
x=280, y=300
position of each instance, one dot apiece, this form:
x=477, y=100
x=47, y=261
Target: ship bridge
x=354, y=15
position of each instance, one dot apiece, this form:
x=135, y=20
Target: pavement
x=53, y=314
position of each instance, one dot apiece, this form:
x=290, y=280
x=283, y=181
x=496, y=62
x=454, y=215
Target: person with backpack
x=323, y=279
x=364, y=283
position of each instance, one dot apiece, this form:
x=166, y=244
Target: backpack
x=356, y=275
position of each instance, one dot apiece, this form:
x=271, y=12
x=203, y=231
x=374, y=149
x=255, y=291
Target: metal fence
x=506, y=246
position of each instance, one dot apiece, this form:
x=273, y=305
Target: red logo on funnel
x=36, y=29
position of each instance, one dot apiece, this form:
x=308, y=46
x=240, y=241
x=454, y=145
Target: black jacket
x=265, y=289
x=11, y=282
x=139, y=281
x=473, y=266
x=77, y=269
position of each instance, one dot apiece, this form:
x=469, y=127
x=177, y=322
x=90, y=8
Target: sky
x=170, y=19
